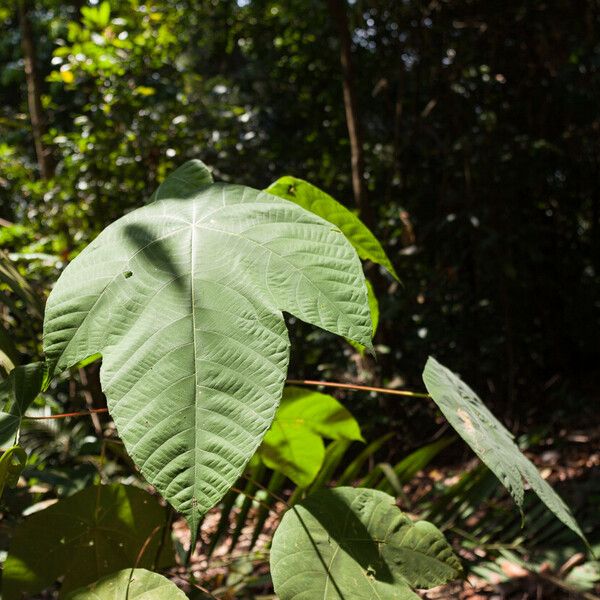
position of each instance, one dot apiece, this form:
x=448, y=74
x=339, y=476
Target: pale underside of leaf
x=490, y=440
x=184, y=300
x=184, y=181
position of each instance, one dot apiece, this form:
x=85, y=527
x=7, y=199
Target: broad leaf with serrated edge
x=490, y=440
x=294, y=443
x=17, y=392
x=93, y=533
x=317, y=201
x=347, y=543
x=130, y=584
x=184, y=298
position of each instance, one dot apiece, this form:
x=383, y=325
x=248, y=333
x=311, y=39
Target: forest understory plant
x=183, y=300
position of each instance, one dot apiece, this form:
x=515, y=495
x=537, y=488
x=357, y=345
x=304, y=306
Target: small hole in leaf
x=127, y=274
x=292, y=190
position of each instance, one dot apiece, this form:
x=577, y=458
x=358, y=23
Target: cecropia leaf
x=184, y=298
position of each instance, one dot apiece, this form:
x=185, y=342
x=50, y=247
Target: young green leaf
x=93, y=533
x=317, y=201
x=490, y=440
x=346, y=543
x=184, y=299
x=130, y=584
x=17, y=392
x=294, y=443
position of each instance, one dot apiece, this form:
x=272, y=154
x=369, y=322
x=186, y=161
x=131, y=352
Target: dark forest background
x=466, y=134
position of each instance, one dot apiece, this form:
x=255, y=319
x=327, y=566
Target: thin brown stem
x=311, y=382
x=203, y=589
x=81, y=413
x=89, y=400
x=254, y=499
x=34, y=91
x=145, y=545
x=352, y=386
x=266, y=489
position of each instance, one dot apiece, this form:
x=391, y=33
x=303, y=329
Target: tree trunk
x=337, y=9
x=34, y=97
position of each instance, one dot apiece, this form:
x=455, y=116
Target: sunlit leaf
x=294, y=443
x=374, y=310
x=67, y=76
x=184, y=181
x=317, y=201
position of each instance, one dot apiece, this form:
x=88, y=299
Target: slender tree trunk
x=34, y=95
x=338, y=12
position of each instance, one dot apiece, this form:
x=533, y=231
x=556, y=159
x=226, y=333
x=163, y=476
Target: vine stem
x=352, y=386
x=81, y=413
x=310, y=382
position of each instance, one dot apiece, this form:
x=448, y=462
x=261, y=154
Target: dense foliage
x=481, y=153
x=453, y=147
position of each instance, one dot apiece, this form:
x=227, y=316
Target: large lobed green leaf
x=355, y=544
x=93, y=533
x=490, y=440
x=317, y=201
x=294, y=443
x=130, y=584
x=184, y=299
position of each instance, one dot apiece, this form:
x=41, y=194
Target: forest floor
x=568, y=458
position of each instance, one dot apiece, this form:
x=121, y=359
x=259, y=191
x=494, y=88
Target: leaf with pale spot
x=490, y=440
